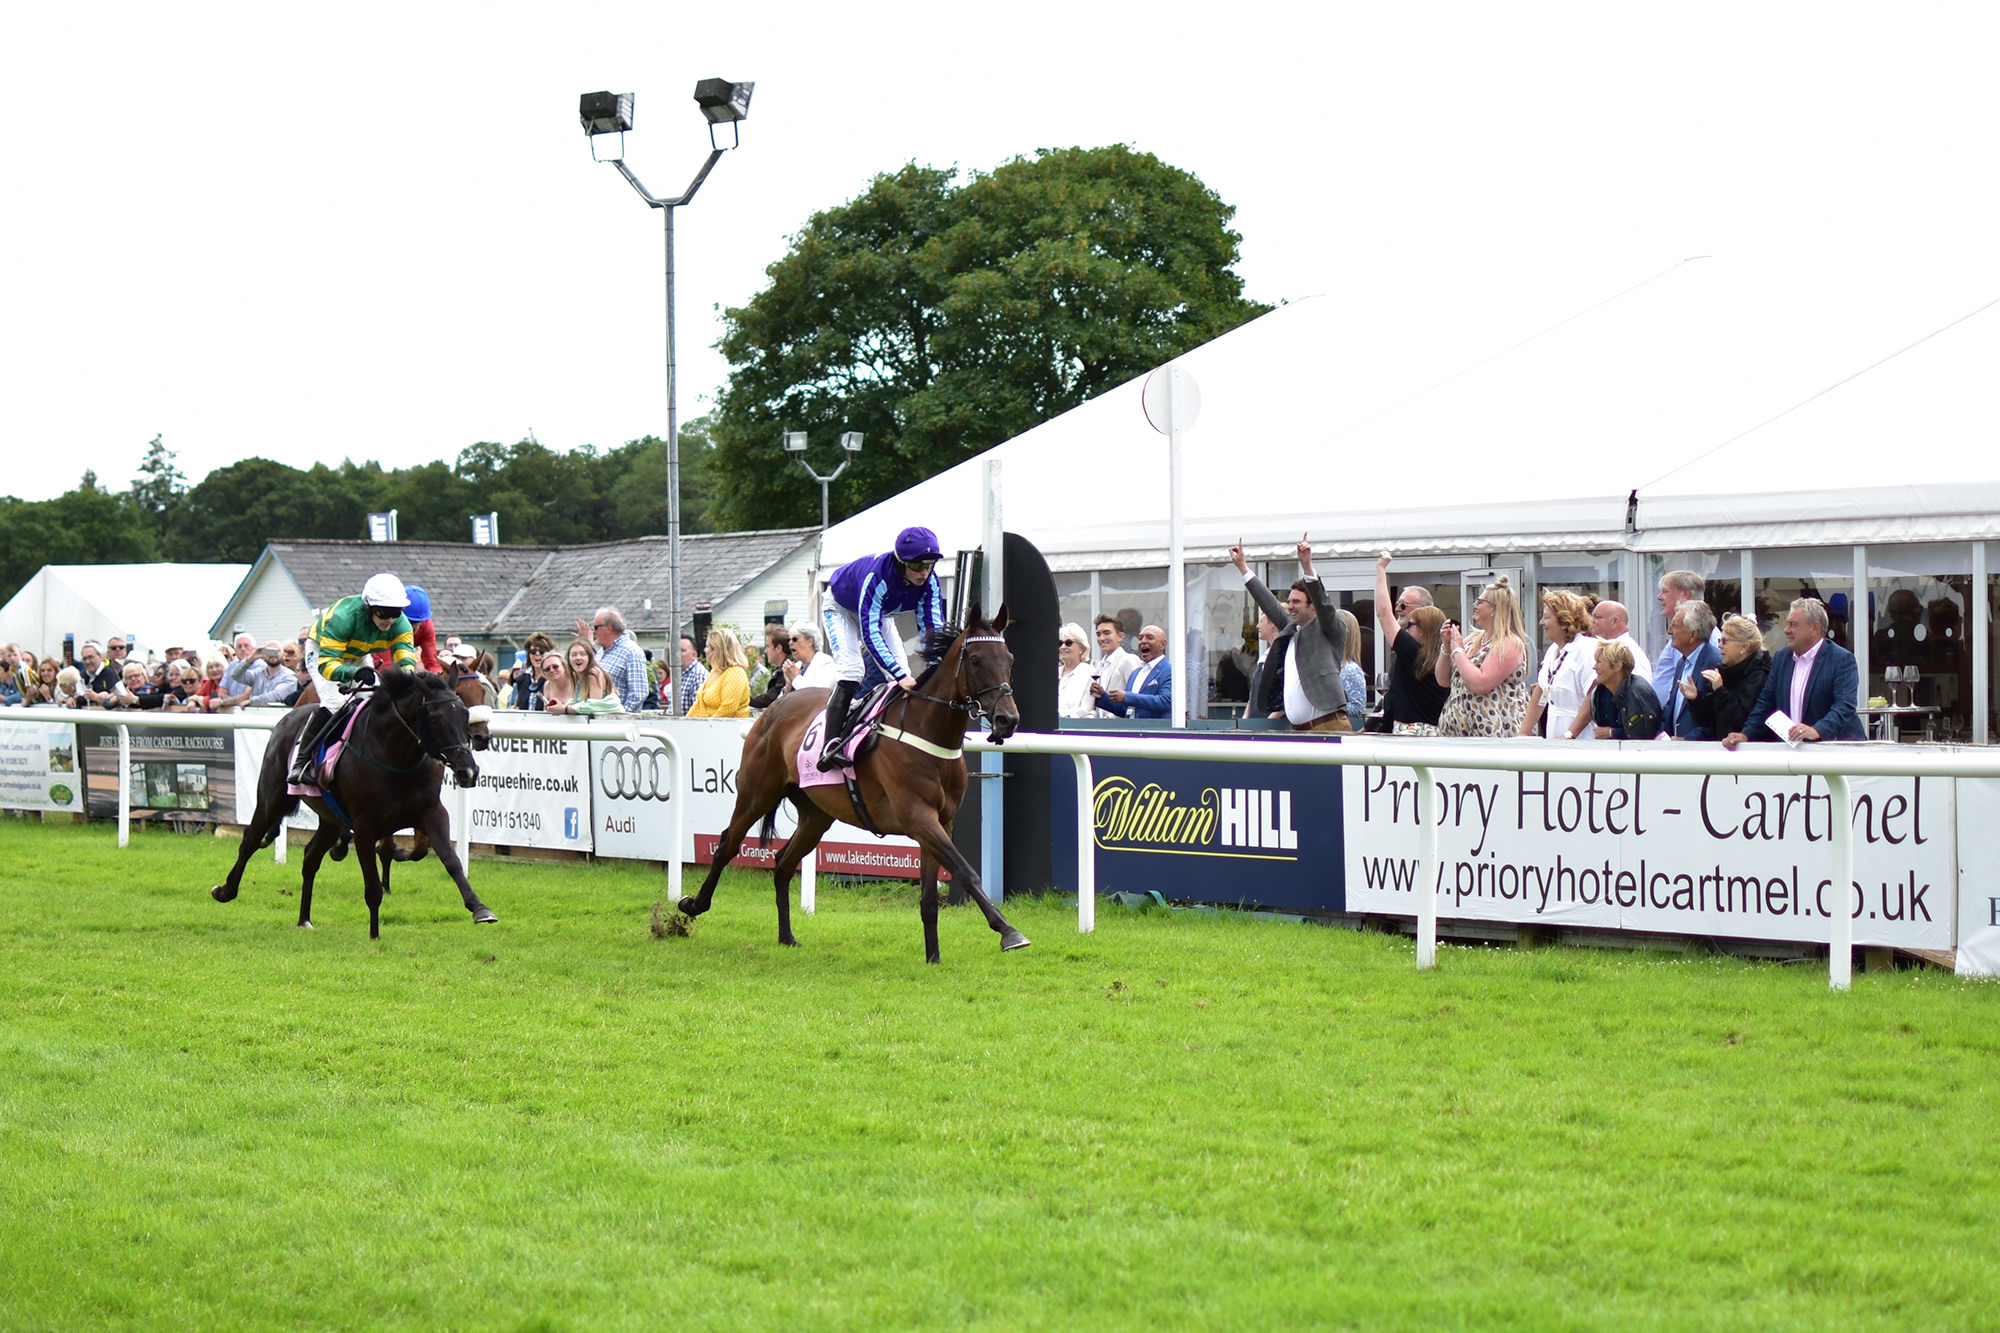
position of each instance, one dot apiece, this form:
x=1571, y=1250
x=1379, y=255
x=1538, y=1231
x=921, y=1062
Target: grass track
x=211, y=1119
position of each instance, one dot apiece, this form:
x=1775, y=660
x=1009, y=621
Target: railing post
x=124, y=786
x=1840, y=938
x=809, y=882
x=1086, y=846
x=677, y=812
x=464, y=822
x=1427, y=869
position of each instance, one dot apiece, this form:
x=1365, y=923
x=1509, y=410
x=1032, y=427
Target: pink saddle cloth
x=810, y=773
x=332, y=753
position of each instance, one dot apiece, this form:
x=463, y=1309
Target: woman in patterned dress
x=1488, y=672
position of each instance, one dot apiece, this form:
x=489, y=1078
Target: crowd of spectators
x=1712, y=679
x=214, y=679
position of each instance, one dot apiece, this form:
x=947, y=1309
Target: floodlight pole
x=667, y=207
x=824, y=482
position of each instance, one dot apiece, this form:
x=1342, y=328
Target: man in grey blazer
x=1315, y=699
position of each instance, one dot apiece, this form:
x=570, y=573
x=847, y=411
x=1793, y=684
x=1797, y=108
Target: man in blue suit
x=1689, y=630
x=1149, y=690
x=1813, y=680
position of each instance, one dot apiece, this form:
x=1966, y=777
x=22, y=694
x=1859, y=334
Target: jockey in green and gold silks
x=345, y=636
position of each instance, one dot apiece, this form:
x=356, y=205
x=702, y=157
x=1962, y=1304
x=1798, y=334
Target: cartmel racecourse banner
x=1723, y=855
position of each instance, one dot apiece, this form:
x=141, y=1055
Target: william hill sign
x=1225, y=833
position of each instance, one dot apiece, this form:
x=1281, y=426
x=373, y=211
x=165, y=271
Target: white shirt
x=1568, y=671
x=1116, y=668
x=818, y=672
x=1073, y=698
x=1298, y=708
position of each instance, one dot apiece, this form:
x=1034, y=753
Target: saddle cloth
x=810, y=773
x=329, y=753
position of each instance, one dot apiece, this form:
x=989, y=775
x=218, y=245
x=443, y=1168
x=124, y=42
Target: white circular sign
x=1154, y=400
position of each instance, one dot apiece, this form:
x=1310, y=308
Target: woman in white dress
x=1568, y=667
x=1073, y=697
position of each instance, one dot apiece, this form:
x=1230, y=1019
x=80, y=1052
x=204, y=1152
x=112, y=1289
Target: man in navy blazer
x=1149, y=690
x=1688, y=630
x=1821, y=705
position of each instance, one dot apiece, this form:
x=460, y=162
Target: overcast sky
x=376, y=231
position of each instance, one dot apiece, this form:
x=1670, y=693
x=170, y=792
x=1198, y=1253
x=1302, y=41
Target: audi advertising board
x=630, y=782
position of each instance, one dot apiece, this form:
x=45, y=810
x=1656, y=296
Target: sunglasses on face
x=920, y=564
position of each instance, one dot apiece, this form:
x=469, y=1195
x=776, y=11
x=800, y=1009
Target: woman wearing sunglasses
x=867, y=593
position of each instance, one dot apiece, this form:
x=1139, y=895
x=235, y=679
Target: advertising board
x=184, y=775
x=531, y=793
x=1265, y=835
x=630, y=791
x=1723, y=855
x=38, y=769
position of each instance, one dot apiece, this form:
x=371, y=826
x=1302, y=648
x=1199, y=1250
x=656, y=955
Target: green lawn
x=210, y=1119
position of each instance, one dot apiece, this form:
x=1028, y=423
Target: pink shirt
x=1801, y=676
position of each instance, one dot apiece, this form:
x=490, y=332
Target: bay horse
x=913, y=787
x=388, y=777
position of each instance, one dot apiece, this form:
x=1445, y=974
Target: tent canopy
x=163, y=605
x=1376, y=428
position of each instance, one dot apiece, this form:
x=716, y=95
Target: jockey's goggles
x=929, y=562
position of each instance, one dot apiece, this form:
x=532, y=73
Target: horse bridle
x=426, y=741
x=971, y=704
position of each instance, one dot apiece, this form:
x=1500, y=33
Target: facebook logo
x=572, y=823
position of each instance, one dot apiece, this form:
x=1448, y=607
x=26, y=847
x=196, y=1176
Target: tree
x=235, y=510
x=159, y=486
x=941, y=319
x=85, y=526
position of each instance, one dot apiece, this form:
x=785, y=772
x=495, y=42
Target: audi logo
x=635, y=773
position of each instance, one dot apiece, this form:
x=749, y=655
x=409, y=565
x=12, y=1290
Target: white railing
x=504, y=724
x=1835, y=762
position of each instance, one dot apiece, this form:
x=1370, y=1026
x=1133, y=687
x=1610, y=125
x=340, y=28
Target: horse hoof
x=484, y=916
x=1013, y=939
x=933, y=959
x=690, y=907
x=222, y=893
x=305, y=925
x=789, y=942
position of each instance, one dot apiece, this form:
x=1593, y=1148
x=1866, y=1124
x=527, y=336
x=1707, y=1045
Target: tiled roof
x=467, y=584
x=579, y=579
x=515, y=590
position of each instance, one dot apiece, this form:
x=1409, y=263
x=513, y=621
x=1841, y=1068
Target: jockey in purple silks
x=866, y=593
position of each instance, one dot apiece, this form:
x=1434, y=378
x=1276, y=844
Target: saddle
x=329, y=751
x=862, y=736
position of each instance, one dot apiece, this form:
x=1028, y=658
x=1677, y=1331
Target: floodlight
x=851, y=441
x=605, y=113
x=724, y=103
x=795, y=441
x=721, y=100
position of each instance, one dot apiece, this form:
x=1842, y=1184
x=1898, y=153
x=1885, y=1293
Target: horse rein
x=424, y=739
x=970, y=704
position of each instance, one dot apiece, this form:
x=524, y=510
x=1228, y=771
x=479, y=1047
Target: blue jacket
x=874, y=587
x=1830, y=696
x=1676, y=712
x=1156, y=700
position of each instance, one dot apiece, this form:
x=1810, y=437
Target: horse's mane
x=397, y=685
x=936, y=644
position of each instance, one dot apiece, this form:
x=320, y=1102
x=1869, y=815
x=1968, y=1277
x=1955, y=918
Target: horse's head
x=986, y=670
x=448, y=729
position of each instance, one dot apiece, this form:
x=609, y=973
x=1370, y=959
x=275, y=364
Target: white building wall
x=788, y=581
x=272, y=608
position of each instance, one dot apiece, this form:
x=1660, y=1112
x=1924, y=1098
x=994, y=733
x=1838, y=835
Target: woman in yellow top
x=726, y=692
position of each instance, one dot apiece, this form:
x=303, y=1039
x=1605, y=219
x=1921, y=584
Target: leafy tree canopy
x=540, y=494
x=941, y=318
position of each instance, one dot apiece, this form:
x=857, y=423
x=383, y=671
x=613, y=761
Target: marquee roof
x=163, y=605
x=1369, y=431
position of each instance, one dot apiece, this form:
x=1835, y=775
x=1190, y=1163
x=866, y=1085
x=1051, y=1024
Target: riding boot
x=302, y=774
x=836, y=726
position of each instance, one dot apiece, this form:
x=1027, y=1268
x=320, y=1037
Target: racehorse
x=910, y=786
x=388, y=777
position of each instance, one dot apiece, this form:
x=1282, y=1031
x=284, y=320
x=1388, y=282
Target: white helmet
x=384, y=590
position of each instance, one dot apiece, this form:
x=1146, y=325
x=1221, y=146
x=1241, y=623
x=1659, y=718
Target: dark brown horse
x=913, y=787
x=388, y=777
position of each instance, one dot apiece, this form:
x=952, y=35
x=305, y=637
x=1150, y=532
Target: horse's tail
x=793, y=793
x=287, y=807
